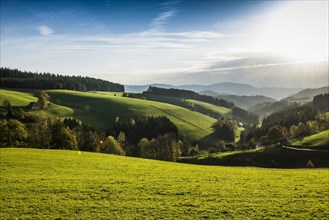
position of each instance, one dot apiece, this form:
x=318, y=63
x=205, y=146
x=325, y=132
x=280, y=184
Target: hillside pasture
x=101, y=109
x=202, y=107
x=316, y=141
x=56, y=184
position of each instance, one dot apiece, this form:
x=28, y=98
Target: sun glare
x=297, y=29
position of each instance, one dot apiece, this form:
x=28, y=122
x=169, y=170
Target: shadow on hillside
x=269, y=158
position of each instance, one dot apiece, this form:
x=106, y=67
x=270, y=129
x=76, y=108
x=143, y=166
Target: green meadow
x=319, y=140
x=17, y=98
x=202, y=107
x=55, y=184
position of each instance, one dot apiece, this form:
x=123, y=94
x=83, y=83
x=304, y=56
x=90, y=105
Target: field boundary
x=178, y=117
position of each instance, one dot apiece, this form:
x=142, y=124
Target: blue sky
x=264, y=43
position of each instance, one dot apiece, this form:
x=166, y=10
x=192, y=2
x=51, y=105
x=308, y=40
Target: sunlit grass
x=45, y=184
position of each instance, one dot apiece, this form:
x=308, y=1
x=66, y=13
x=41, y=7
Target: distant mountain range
x=309, y=93
x=225, y=88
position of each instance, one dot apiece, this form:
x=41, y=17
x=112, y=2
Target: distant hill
x=245, y=102
x=309, y=93
x=225, y=88
x=267, y=108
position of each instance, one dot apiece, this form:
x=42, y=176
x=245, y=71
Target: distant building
x=32, y=105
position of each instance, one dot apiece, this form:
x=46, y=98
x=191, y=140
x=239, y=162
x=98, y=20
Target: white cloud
x=45, y=30
x=158, y=22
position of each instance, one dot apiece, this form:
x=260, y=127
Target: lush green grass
x=22, y=97
x=17, y=98
x=45, y=184
x=202, y=107
x=101, y=109
x=317, y=140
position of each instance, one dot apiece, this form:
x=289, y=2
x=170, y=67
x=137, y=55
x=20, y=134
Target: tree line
x=188, y=94
x=148, y=137
x=13, y=78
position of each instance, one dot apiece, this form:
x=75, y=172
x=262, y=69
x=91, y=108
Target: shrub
x=309, y=164
x=111, y=146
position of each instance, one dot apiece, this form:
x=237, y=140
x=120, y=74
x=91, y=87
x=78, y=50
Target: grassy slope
x=101, y=109
x=317, y=140
x=17, y=98
x=44, y=184
x=22, y=98
x=269, y=157
x=201, y=107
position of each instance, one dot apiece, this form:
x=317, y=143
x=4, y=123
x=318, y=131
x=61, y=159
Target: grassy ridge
x=22, y=98
x=317, y=140
x=45, y=184
x=202, y=107
x=17, y=98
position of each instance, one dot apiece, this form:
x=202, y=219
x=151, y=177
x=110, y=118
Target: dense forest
x=13, y=78
x=237, y=113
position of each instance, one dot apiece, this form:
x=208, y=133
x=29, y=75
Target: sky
x=262, y=43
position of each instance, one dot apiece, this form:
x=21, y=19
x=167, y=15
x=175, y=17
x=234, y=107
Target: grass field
x=315, y=141
x=17, y=98
x=23, y=97
x=45, y=184
x=202, y=107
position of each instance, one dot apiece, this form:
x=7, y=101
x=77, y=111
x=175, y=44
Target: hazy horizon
x=261, y=43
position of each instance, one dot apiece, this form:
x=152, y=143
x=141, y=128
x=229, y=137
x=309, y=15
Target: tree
x=62, y=137
x=111, y=146
x=147, y=148
x=13, y=133
x=275, y=134
x=40, y=132
x=167, y=148
x=225, y=129
x=193, y=151
x=7, y=104
x=43, y=100
x=121, y=138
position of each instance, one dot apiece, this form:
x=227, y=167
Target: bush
x=310, y=164
x=12, y=133
x=111, y=146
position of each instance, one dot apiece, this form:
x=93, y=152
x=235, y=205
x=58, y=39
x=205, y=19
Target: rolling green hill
x=55, y=184
x=18, y=98
x=199, y=106
x=101, y=108
x=23, y=97
x=319, y=140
